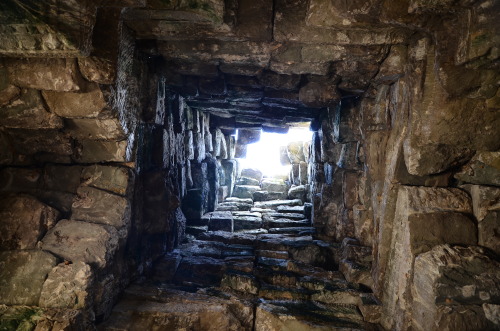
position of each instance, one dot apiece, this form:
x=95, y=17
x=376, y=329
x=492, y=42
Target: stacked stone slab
x=268, y=280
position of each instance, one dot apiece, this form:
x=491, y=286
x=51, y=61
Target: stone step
x=268, y=196
x=290, y=209
x=233, y=206
x=298, y=231
x=285, y=223
x=300, y=315
x=199, y=271
x=292, y=216
x=152, y=308
x=240, y=281
x=228, y=237
x=247, y=181
x=235, y=199
x=245, y=191
x=273, y=204
x=246, y=223
x=272, y=254
x=196, y=230
x=271, y=292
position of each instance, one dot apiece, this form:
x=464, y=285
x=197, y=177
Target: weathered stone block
x=273, y=185
x=75, y=241
x=28, y=112
x=295, y=152
x=108, y=178
x=35, y=141
x=97, y=206
x=24, y=221
x=298, y=192
x=56, y=74
x=248, y=136
x=252, y=173
x=22, y=274
x=88, y=103
x=221, y=221
x=68, y=286
x=98, y=69
x=94, y=151
x=245, y=191
x=462, y=275
x=13, y=179
x=319, y=94
x=483, y=169
x=8, y=93
x=96, y=129
x=425, y=217
x=62, y=178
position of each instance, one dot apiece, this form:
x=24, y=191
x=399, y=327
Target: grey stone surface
x=76, y=241
x=22, y=274
x=98, y=206
x=24, y=221
x=68, y=286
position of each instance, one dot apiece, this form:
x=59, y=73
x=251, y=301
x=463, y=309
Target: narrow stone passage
x=253, y=266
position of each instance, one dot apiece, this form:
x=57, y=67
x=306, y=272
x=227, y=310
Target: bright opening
x=265, y=154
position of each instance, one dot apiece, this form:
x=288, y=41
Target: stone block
x=348, y=158
x=28, y=112
x=108, y=178
x=298, y=192
x=95, y=129
x=98, y=206
x=95, y=151
x=272, y=185
x=247, y=181
x=8, y=93
x=68, y=286
x=319, y=94
x=55, y=74
x=303, y=173
x=489, y=232
x=193, y=205
x=244, y=191
x=425, y=217
x=30, y=142
x=436, y=144
x=13, y=179
x=75, y=241
x=240, y=150
x=88, y=103
x=98, y=69
x=248, y=136
x=461, y=275
x=252, y=173
x=22, y=274
x=483, y=169
x=221, y=221
x=393, y=66
x=25, y=220
x=295, y=152
x=62, y=178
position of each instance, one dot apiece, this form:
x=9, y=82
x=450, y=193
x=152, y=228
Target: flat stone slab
x=293, y=216
x=296, y=315
x=285, y=222
x=290, y=209
x=272, y=204
x=149, y=308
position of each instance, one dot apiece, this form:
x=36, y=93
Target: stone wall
x=411, y=169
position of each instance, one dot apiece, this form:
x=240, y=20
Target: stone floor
x=252, y=266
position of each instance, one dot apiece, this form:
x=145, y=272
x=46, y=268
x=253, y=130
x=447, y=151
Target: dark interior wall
x=102, y=160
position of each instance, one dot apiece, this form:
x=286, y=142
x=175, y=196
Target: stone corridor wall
x=102, y=162
x=409, y=170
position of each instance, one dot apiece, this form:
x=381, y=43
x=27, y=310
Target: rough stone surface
x=23, y=274
x=45, y=74
x=24, y=221
x=68, y=286
x=464, y=276
x=89, y=103
x=28, y=112
x=98, y=206
x=77, y=241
